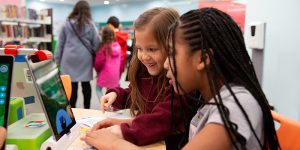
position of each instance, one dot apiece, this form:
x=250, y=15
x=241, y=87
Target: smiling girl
x=149, y=94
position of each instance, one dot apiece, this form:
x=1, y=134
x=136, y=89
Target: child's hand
x=107, y=100
x=107, y=123
x=2, y=136
x=116, y=129
x=101, y=139
x=106, y=140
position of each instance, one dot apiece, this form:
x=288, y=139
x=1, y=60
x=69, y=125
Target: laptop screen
x=52, y=94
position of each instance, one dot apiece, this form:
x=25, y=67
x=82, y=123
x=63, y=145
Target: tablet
x=49, y=87
x=6, y=67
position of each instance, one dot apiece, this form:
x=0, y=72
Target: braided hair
x=209, y=29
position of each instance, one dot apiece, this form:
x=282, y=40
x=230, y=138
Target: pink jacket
x=109, y=75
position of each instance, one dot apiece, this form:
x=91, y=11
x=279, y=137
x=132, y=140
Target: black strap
x=88, y=48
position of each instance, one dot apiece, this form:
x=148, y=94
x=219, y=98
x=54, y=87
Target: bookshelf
x=26, y=27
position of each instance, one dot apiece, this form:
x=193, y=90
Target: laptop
x=49, y=87
x=6, y=69
x=22, y=85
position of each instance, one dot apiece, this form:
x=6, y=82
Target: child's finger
x=102, y=108
x=96, y=126
x=103, y=103
x=109, y=102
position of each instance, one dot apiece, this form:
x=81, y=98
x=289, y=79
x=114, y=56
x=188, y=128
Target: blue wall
x=281, y=75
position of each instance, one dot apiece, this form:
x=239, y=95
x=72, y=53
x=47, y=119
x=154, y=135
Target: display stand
x=40, y=55
x=64, y=141
x=11, y=147
x=17, y=50
x=22, y=85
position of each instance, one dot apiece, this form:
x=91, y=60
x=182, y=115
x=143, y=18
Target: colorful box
x=16, y=109
x=28, y=138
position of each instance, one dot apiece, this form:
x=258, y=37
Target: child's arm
x=122, y=96
x=156, y=125
x=211, y=137
x=107, y=100
x=213, y=126
x=110, y=122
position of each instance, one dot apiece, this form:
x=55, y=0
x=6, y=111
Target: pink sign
x=234, y=9
x=11, y=2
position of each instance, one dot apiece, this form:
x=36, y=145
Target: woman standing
x=78, y=42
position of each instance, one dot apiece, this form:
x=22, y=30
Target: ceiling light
x=61, y=0
x=42, y=0
x=106, y=2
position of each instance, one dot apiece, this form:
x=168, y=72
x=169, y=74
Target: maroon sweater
x=156, y=123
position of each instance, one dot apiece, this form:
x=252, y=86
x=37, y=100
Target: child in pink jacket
x=108, y=61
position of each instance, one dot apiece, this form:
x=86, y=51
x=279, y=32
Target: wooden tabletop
x=81, y=113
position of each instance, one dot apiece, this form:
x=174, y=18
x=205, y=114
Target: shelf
x=31, y=39
x=32, y=29
x=7, y=20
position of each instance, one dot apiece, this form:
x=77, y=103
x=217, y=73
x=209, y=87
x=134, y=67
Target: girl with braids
x=207, y=53
x=149, y=94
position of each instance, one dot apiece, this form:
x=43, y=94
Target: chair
x=67, y=83
x=288, y=133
